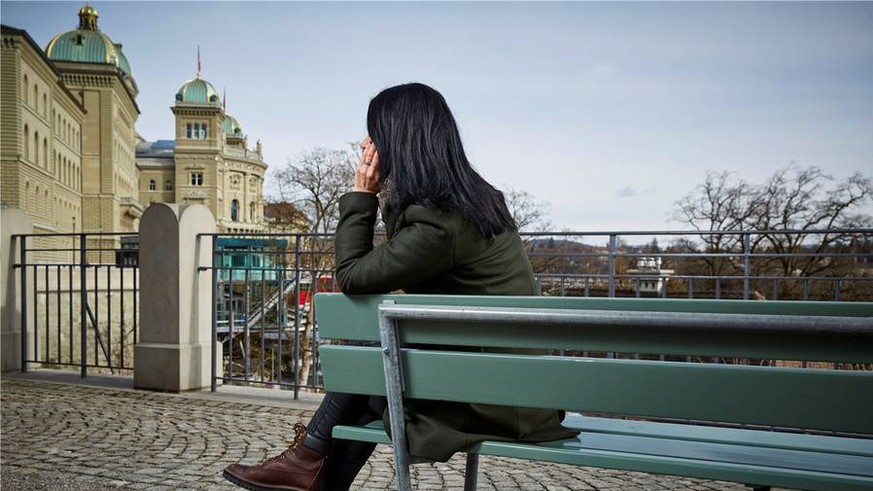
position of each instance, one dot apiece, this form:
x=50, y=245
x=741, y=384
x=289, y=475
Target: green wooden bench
x=824, y=416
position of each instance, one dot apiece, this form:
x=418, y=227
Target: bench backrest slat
x=788, y=397
x=352, y=318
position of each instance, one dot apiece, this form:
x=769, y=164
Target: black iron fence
x=262, y=315
x=79, y=298
x=79, y=292
x=263, y=283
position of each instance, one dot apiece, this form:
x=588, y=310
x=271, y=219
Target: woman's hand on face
x=367, y=172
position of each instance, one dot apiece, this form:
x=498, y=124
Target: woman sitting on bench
x=449, y=232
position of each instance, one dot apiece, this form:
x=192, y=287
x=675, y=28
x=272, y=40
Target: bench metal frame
x=390, y=313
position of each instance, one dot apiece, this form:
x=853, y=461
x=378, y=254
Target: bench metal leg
x=394, y=390
x=472, y=472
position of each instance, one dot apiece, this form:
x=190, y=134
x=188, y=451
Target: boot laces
x=299, y=435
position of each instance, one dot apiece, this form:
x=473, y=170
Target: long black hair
x=422, y=160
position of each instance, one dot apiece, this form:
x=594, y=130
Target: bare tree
x=314, y=183
x=787, y=208
x=718, y=203
x=529, y=213
x=800, y=199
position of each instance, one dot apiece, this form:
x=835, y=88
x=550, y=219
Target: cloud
x=629, y=191
x=626, y=192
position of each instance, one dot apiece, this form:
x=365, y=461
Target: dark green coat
x=438, y=252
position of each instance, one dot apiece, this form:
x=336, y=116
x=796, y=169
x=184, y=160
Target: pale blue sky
x=609, y=111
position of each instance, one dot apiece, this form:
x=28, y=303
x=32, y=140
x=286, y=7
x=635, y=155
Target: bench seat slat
x=735, y=461
x=757, y=438
x=710, y=392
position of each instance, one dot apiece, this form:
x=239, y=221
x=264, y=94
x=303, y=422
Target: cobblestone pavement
x=74, y=437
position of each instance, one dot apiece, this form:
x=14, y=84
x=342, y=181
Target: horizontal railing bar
x=701, y=232
x=739, y=254
x=738, y=276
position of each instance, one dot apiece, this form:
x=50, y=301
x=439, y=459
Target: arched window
x=45, y=151
x=44, y=106
x=234, y=210
x=24, y=91
x=26, y=142
x=36, y=147
x=168, y=185
x=35, y=96
x=152, y=185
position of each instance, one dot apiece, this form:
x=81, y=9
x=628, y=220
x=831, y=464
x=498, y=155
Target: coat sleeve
x=421, y=248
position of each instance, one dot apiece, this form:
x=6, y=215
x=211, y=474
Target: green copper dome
x=231, y=126
x=87, y=44
x=198, y=91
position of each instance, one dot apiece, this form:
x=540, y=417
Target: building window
x=234, y=210
x=196, y=131
x=196, y=178
x=26, y=143
x=152, y=185
x=36, y=147
x=25, y=94
x=252, y=211
x=168, y=185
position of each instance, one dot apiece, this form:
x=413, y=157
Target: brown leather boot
x=298, y=468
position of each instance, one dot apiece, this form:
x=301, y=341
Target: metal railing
x=261, y=312
x=834, y=264
x=79, y=297
x=79, y=292
x=270, y=338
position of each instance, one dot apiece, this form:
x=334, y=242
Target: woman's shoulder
x=432, y=215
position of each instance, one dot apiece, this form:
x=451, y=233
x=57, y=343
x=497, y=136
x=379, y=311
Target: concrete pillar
x=173, y=352
x=12, y=221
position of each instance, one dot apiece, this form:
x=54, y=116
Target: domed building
x=72, y=165
x=76, y=162
x=207, y=162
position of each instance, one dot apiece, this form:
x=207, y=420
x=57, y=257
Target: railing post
x=747, y=251
x=612, y=244
x=13, y=290
x=83, y=307
x=298, y=364
x=215, y=299
x=23, y=271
